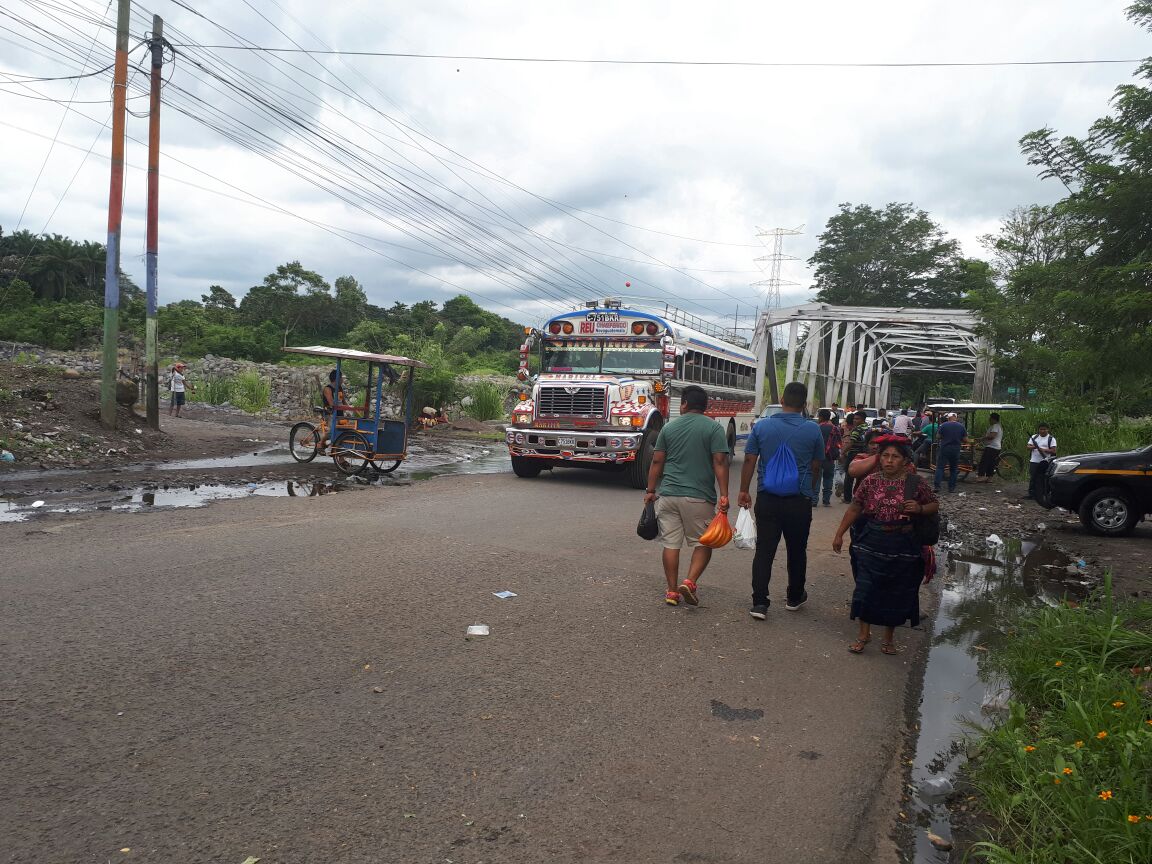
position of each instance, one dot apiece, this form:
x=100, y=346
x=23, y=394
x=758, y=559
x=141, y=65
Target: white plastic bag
x=745, y=530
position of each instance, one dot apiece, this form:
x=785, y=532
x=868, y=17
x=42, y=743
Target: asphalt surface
x=289, y=679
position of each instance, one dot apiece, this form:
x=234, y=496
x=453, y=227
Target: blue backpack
x=781, y=476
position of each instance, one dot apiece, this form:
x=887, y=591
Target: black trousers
x=788, y=517
x=988, y=460
x=1036, y=470
x=849, y=484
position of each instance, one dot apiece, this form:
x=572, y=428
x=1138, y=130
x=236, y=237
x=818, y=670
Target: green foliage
x=16, y=295
x=892, y=257
x=58, y=325
x=1066, y=775
x=1077, y=311
x=6, y=397
x=435, y=386
x=487, y=401
x=248, y=392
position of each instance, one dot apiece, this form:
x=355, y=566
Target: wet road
x=289, y=679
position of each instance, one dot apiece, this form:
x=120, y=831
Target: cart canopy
x=962, y=407
x=350, y=354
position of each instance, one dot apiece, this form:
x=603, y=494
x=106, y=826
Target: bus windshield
x=610, y=358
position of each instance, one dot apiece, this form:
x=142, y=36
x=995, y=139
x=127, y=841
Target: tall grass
x=1076, y=430
x=248, y=392
x=1068, y=776
x=487, y=401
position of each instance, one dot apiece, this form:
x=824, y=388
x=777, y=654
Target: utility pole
x=110, y=360
x=151, y=370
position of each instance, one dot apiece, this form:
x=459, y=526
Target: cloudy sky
x=529, y=184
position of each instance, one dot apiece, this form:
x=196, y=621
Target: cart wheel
x=389, y=469
x=1010, y=467
x=304, y=442
x=351, y=452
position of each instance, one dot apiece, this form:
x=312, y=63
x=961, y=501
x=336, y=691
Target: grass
x=1068, y=776
x=487, y=401
x=248, y=392
x=1075, y=429
x=6, y=396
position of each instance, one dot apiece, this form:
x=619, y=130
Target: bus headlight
x=623, y=421
x=521, y=418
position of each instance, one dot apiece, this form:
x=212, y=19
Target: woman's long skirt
x=888, y=568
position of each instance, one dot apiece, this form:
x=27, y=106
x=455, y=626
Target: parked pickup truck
x=1111, y=492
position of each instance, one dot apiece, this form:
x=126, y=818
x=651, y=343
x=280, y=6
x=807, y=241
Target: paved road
x=201, y=686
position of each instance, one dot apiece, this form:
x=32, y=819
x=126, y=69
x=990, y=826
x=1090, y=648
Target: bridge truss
x=848, y=354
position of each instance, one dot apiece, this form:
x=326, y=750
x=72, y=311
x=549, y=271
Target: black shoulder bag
x=926, y=528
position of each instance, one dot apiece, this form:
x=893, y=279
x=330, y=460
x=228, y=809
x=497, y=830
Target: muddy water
x=420, y=466
x=982, y=584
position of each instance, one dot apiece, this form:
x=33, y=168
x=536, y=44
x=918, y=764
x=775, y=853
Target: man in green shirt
x=928, y=430
x=689, y=463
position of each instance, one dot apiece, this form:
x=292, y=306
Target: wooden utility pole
x=110, y=361
x=152, y=386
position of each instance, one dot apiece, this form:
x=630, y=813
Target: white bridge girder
x=849, y=354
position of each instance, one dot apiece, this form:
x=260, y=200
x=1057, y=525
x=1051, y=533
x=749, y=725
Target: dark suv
x=1112, y=492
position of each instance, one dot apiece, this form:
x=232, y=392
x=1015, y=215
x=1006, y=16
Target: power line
x=763, y=64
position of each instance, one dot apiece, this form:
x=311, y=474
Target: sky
x=532, y=186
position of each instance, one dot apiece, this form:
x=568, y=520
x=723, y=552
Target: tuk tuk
x=1009, y=467
x=357, y=437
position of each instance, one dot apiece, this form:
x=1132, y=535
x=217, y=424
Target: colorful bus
x=608, y=378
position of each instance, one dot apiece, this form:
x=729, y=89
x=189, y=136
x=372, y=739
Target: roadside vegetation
x=1068, y=776
x=248, y=391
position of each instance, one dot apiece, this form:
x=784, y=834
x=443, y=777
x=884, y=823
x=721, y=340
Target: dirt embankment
x=980, y=510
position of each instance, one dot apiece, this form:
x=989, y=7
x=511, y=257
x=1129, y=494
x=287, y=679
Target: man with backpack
x=830, y=431
x=856, y=445
x=788, y=479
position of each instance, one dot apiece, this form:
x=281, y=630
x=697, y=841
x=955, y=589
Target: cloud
x=701, y=152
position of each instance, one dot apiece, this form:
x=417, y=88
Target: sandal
x=857, y=647
x=688, y=592
x=889, y=648
x=672, y=598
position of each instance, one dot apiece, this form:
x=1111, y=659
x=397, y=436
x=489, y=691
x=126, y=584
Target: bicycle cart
x=357, y=437
x=1009, y=467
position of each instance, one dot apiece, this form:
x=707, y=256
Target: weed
x=1066, y=775
x=6, y=396
x=487, y=401
x=251, y=393
x=214, y=391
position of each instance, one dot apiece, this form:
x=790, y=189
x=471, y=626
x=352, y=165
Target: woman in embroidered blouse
x=888, y=562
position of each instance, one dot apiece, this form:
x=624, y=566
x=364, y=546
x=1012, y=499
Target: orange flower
x=1079, y=744
x=1117, y=704
x=1059, y=663
x=1133, y=819
x=1067, y=771
x=1056, y=780
x=1106, y=795
x=1029, y=748
x=1101, y=735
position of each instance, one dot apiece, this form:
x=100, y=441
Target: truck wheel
x=524, y=466
x=1109, y=511
x=639, y=467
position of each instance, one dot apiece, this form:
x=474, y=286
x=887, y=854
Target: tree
x=892, y=257
x=1081, y=312
x=1029, y=235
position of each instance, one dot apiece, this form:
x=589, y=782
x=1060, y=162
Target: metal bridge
x=848, y=354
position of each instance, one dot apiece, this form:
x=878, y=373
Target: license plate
x=566, y=442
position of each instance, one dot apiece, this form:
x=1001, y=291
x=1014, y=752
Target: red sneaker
x=688, y=592
x=672, y=598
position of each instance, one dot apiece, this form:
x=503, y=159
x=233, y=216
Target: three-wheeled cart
x=356, y=437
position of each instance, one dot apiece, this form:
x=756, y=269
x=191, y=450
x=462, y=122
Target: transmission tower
x=771, y=263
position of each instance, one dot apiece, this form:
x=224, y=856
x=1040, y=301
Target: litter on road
x=503, y=595
x=477, y=630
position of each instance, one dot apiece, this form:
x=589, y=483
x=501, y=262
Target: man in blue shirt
x=784, y=513
x=950, y=435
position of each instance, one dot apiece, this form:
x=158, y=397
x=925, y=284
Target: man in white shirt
x=992, y=439
x=902, y=425
x=177, y=384
x=1043, y=448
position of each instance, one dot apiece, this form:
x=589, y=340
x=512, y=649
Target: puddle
x=981, y=585
x=420, y=467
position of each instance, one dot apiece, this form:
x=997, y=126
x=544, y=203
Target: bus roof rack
x=679, y=316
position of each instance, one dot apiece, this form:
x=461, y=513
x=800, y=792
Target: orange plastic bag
x=719, y=533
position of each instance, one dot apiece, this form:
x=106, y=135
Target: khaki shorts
x=683, y=518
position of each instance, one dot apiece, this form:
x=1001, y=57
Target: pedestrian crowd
x=891, y=520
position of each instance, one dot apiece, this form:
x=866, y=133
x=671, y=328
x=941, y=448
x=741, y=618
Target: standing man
x=855, y=445
x=689, y=463
x=830, y=432
x=902, y=425
x=1043, y=447
x=992, y=439
x=778, y=442
x=177, y=385
x=951, y=434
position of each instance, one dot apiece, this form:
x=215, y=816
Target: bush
x=248, y=392
x=487, y=401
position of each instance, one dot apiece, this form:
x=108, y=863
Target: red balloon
x=627, y=284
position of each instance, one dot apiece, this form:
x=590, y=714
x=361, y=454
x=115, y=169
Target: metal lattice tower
x=773, y=283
